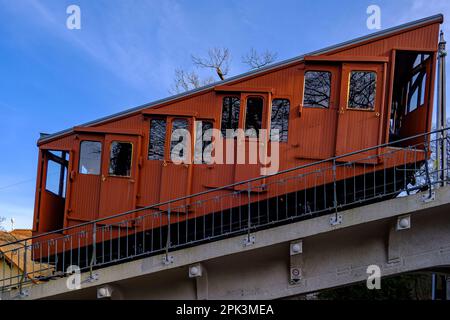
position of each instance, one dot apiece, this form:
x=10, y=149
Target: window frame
x=423, y=93
x=210, y=120
x=325, y=70
x=168, y=157
x=238, y=96
x=362, y=69
x=131, y=160
x=100, y=162
x=166, y=119
x=264, y=114
x=63, y=178
x=289, y=99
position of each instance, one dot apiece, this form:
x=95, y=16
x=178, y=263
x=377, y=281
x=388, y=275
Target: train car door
x=176, y=176
x=119, y=174
x=254, y=117
x=360, y=110
x=85, y=180
x=316, y=128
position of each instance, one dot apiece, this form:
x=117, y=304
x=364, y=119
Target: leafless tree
x=257, y=60
x=217, y=59
x=185, y=81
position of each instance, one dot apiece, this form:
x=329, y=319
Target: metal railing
x=373, y=174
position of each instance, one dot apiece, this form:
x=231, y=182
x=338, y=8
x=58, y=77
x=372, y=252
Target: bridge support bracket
x=296, y=262
x=198, y=272
x=403, y=222
x=429, y=197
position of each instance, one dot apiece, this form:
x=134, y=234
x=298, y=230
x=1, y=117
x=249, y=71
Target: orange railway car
x=367, y=92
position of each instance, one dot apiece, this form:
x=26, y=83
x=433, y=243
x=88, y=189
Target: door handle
x=103, y=178
x=164, y=163
x=377, y=114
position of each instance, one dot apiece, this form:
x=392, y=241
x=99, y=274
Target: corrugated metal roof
x=379, y=34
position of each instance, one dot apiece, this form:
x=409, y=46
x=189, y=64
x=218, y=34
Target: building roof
x=438, y=18
x=13, y=252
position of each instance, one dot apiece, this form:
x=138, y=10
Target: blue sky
x=125, y=55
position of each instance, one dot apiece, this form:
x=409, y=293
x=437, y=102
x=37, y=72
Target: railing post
x=441, y=118
x=168, y=233
x=334, y=190
x=427, y=171
x=94, y=248
x=249, y=214
x=24, y=274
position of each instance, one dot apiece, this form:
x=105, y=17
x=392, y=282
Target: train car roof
x=438, y=18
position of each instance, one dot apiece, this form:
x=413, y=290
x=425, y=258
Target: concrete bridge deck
x=283, y=261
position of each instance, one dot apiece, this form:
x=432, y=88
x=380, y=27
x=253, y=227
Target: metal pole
x=168, y=233
x=441, y=118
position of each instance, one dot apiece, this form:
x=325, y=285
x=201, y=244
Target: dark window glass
x=362, y=90
x=56, y=178
x=230, y=114
x=280, y=119
x=157, y=139
x=178, y=139
x=202, y=141
x=417, y=85
x=317, y=89
x=90, y=157
x=120, y=159
x=253, y=116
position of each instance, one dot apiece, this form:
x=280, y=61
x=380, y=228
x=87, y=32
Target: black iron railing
x=328, y=186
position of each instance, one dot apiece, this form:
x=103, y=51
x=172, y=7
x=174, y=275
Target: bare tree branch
x=185, y=81
x=256, y=60
x=217, y=59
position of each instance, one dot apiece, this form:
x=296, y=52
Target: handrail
x=228, y=186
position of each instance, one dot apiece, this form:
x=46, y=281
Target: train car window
x=253, y=116
x=362, y=90
x=280, y=120
x=90, y=157
x=120, y=159
x=203, y=136
x=157, y=139
x=56, y=178
x=230, y=114
x=317, y=89
x=178, y=141
x=417, y=85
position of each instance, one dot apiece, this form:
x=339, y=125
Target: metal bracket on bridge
x=199, y=273
x=24, y=293
x=429, y=197
x=336, y=219
x=249, y=240
x=168, y=260
x=92, y=278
